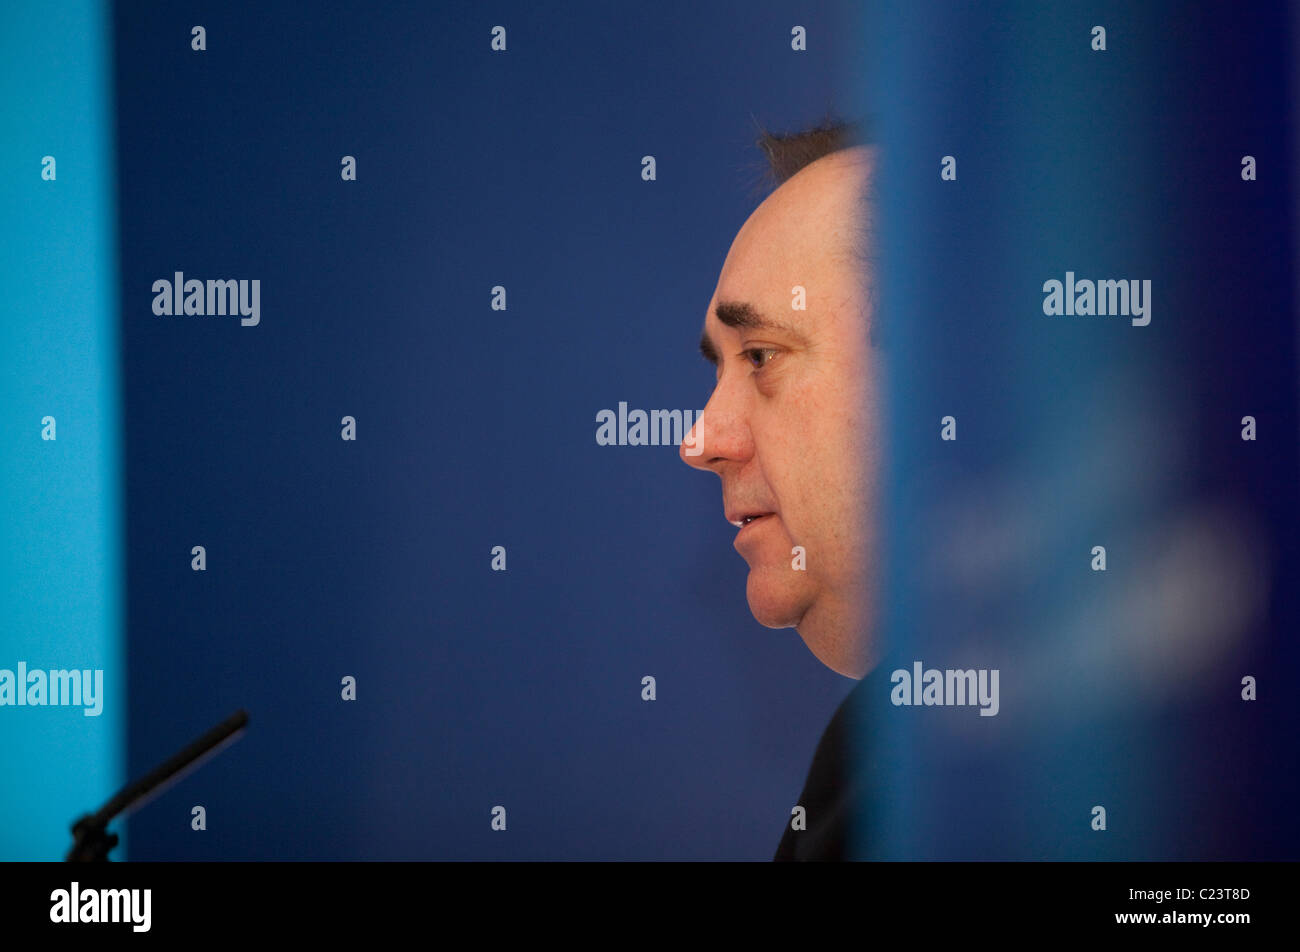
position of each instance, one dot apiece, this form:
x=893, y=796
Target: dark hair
x=789, y=152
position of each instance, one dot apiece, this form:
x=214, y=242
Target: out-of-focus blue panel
x=1120, y=683
x=60, y=532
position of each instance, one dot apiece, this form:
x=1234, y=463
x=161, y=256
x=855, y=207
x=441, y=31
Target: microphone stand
x=91, y=839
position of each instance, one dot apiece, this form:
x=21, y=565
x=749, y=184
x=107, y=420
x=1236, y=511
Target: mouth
x=742, y=519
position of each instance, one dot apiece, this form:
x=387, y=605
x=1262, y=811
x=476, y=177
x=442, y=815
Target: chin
x=775, y=599
x=833, y=629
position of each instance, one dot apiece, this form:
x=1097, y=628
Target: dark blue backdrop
x=475, y=427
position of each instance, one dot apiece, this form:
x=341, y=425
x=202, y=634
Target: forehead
x=804, y=234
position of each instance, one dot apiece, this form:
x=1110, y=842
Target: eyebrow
x=741, y=314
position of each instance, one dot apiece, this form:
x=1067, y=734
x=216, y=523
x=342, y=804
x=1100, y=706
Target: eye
x=758, y=357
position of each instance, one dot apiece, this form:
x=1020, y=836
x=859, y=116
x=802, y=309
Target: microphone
x=91, y=839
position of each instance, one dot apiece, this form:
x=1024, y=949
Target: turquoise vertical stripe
x=61, y=547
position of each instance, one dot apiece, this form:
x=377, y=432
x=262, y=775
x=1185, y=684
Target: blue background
x=61, y=543
x=476, y=427
x=1119, y=689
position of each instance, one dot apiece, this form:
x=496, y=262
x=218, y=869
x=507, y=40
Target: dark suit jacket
x=844, y=776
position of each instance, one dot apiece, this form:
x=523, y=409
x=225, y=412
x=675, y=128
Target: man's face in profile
x=791, y=424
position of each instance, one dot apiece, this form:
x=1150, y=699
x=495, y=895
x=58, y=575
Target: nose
x=721, y=434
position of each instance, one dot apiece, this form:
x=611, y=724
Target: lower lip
x=748, y=527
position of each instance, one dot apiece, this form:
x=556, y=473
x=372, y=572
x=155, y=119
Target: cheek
x=816, y=469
